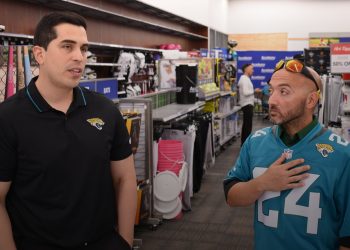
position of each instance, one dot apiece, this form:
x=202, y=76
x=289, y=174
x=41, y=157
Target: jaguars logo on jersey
x=96, y=122
x=324, y=149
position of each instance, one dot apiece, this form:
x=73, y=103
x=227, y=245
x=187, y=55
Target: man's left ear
x=313, y=99
x=39, y=54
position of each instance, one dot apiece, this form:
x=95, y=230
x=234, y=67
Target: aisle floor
x=212, y=224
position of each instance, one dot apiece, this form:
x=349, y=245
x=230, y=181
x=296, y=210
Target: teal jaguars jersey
x=314, y=216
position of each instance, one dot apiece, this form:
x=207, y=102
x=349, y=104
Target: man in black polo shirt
x=66, y=172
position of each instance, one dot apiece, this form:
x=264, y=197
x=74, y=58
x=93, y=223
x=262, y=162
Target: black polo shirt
x=59, y=165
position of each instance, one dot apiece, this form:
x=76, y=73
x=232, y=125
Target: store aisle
x=211, y=225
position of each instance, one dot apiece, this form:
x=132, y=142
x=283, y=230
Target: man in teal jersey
x=296, y=172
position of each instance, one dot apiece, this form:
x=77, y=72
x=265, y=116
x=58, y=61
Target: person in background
x=67, y=178
x=246, y=100
x=265, y=100
x=296, y=172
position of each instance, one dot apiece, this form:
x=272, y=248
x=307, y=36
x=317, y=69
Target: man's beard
x=290, y=116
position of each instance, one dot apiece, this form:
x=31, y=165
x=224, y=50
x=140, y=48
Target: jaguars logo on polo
x=324, y=149
x=96, y=122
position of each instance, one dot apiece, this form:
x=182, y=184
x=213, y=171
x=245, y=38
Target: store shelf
x=225, y=93
x=145, y=95
x=163, y=91
x=224, y=115
x=91, y=44
x=98, y=79
x=210, y=96
x=22, y=36
x=117, y=46
x=100, y=13
x=157, y=12
x=174, y=110
x=226, y=139
x=104, y=64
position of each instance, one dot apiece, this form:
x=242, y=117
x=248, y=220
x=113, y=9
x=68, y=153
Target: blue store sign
x=264, y=64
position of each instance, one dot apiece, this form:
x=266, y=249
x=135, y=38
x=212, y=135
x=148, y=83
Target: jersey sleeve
x=121, y=147
x=240, y=171
x=342, y=199
x=8, y=150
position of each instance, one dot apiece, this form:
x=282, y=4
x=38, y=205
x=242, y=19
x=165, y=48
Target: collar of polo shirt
x=40, y=103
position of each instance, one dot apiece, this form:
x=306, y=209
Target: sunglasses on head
x=295, y=66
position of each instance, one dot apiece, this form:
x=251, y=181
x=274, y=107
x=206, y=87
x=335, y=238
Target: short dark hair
x=246, y=66
x=45, y=30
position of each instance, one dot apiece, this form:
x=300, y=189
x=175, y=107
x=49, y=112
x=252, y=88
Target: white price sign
x=340, y=58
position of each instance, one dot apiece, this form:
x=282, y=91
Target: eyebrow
x=282, y=85
x=74, y=42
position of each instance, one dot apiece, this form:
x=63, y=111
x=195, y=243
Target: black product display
x=186, y=82
x=318, y=59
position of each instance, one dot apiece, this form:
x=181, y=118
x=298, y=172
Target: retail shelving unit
x=228, y=125
x=103, y=64
x=97, y=12
x=224, y=115
x=113, y=26
x=225, y=93
x=114, y=22
x=144, y=156
x=174, y=111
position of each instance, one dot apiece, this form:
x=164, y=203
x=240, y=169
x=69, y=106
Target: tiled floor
x=211, y=225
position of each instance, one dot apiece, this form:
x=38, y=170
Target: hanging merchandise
x=329, y=114
x=345, y=122
x=10, y=84
x=91, y=58
x=168, y=183
x=167, y=188
x=209, y=157
x=203, y=121
x=232, y=55
x=20, y=69
x=170, y=156
x=127, y=63
x=346, y=98
x=133, y=124
x=185, y=133
x=89, y=74
x=137, y=89
x=140, y=60
x=143, y=202
x=166, y=207
x=183, y=176
x=27, y=70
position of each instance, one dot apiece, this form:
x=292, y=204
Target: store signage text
x=340, y=58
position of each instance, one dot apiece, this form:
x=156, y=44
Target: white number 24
x=312, y=212
x=338, y=139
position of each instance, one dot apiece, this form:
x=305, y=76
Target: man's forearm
x=6, y=237
x=127, y=209
x=344, y=248
x=244, y=193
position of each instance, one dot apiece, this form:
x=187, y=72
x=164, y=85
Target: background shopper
x=246, y=100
